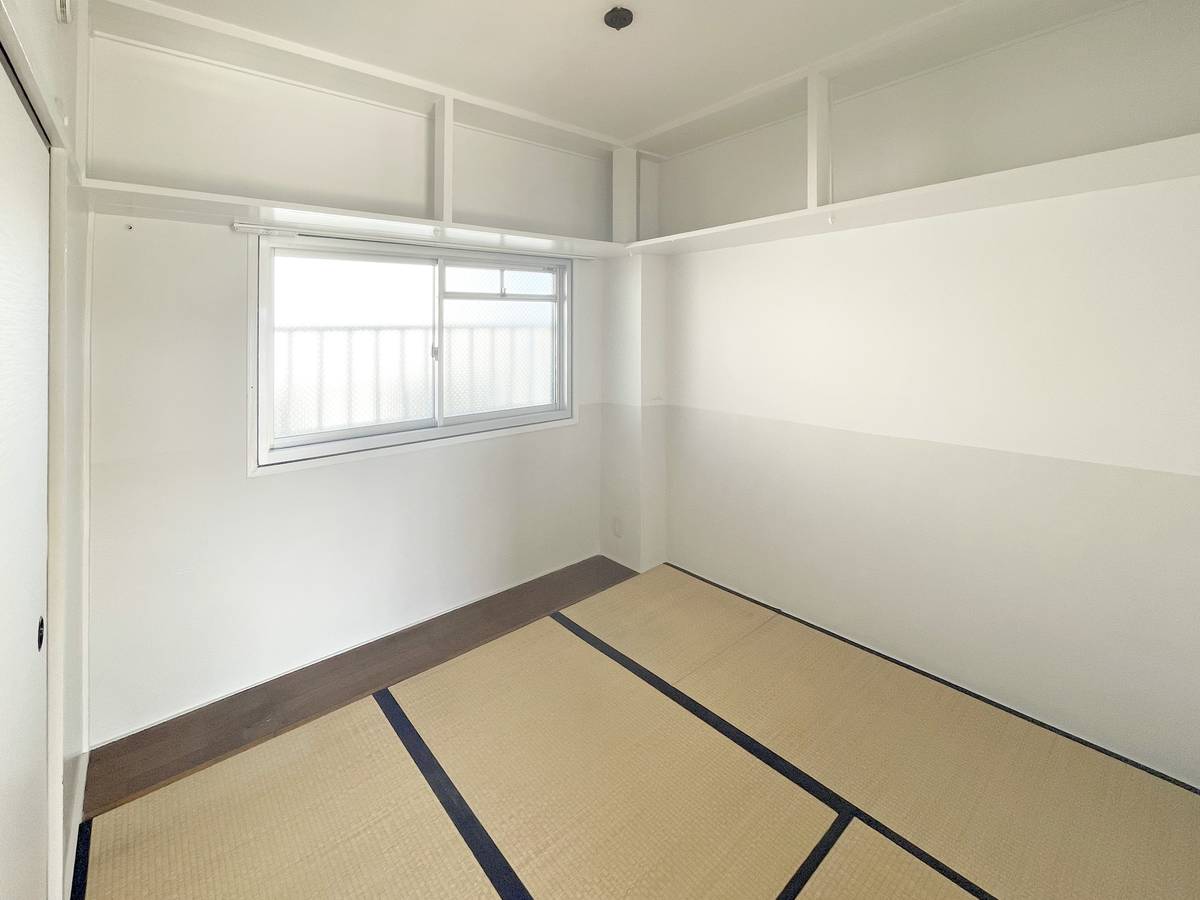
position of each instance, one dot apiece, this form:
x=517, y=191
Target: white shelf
x=121, y=198
x=1141, y=164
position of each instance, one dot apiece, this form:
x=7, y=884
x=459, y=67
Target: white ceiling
x=556, y=58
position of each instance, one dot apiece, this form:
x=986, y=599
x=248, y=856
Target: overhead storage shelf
x=1141, y=164
x=120, y=198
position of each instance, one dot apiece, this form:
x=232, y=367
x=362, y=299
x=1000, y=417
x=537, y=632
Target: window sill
x=256, y=469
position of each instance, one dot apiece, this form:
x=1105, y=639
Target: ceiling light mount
x=618, y=17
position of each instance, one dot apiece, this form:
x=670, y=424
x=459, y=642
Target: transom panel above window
x=361, y=346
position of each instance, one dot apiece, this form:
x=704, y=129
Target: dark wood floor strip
x=950, y=684
x=135, y=765
x=764, y=754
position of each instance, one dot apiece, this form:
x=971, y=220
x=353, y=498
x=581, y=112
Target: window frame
x=269, y=452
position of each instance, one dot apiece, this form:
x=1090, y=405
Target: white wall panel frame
x=819, y=160
x=443, y=159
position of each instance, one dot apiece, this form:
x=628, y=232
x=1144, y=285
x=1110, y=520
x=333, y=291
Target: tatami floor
x=663, y=738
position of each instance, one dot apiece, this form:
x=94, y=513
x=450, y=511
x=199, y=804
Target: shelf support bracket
x=624, y=196
x=820, y=157
x=443, y=159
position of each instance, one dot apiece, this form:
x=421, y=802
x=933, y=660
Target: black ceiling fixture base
x=618, y=17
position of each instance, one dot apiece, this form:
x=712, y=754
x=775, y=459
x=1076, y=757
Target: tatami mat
x=591, y=781
x=667, y=620
x=335, y=808
x=1020, y=811
x=864, y=865
x=594, y=785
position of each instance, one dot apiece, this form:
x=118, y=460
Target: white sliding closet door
x=24, y=372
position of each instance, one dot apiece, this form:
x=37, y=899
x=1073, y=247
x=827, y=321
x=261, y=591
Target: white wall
x=648, y=190
x=972, y=442
x=204, y=580
x=633, y=449
x=1030, y=342
x=755, y=174
x=621, y=369
x=187, y=607
x=163, y=119
x=819, y=389
x=511, y=183
x=1126, y=77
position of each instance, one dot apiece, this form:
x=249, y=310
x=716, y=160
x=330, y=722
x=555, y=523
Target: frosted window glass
x=352, y=343
x=522, y=281
x=499, y=354
x=470, y=280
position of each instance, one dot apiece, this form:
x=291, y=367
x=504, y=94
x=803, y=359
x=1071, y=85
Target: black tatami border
x=498, y=870
x=495, y=866
x=83, y=856
x=1112, y=754
x=493, y=862
x=764, y=754
x=793, y=888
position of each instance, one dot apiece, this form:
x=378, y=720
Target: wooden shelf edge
x=1165, y=160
